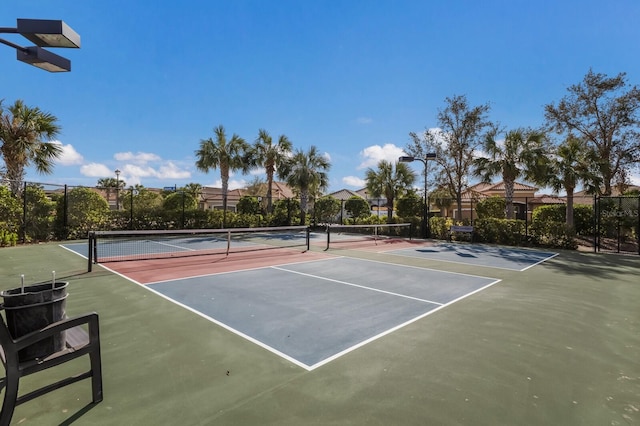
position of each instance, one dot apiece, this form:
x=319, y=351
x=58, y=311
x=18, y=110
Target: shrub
x=553, y=234
x=86, y=210
x=7, y=238
x=500, y=231
x=492, y=207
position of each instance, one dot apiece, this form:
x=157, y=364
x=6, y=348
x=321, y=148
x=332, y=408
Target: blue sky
x=351, y=77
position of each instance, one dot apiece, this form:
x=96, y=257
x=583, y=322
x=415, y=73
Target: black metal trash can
x=32, y=308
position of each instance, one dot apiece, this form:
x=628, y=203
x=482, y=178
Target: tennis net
x=114, y=246
x=366, y=234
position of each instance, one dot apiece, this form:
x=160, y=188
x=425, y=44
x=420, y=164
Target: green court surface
x=555, y=344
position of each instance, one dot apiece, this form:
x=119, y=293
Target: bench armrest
x=29, y=339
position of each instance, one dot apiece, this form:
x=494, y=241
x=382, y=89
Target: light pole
x=425, y=213
x=117, y=189
x=44, y=33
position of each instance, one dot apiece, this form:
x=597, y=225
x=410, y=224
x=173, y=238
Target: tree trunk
x=304, y=197
x=269, y=191
x=569, y=214
x=508, y=193
x=224, y=175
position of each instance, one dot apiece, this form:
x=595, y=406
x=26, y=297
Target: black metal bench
x=78, y=343
x=461, y=229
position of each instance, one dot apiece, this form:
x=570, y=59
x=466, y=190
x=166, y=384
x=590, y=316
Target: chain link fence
x=45, y=211
x=36, y=212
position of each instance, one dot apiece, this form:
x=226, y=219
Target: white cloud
x=171, y=171
x=354, y=181
x=372, y=155
x=133, y=173
x=135, y=170
x=69, y=157
x=96, y=170
x=233, y=183
x=137, y=158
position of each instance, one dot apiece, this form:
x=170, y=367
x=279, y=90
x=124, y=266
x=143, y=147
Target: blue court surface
x=516, y=259
x=312, y=312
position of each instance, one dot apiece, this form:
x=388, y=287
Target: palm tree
x=306, y=172
x=194, y=189
x=25, y=134
x=227, y=155
x=109, y=184
x=271, y=157
x=389, y=181
x=573, y=163
x=523, y=154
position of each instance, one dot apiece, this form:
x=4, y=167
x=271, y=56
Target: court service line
x=171, y=245
x=537, y=263
x=357, y=285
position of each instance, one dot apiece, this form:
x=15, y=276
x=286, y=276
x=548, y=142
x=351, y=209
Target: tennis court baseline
x=313, y=312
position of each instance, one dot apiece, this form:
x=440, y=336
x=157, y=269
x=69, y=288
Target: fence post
x=596, y=224
x=24, y=213
x=65, y=213
x=526, y=218
x=131, y=219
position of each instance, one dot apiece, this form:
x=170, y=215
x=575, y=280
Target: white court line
x=543, y=260
x=169, y=245
x=357, y=285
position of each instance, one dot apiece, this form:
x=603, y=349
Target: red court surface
x=148, y=271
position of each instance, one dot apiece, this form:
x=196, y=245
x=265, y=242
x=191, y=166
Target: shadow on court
x=511, y=258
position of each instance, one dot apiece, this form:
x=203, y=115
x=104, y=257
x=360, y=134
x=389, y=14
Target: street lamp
x=425, y=213
x=44, y=33
x=117, y=189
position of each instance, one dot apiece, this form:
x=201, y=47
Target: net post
x=308, y=232
x=328, y=230
x=90, y=252
x=228, y=241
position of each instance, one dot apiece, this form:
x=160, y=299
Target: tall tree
x=606, y=113
x=573, y=163
x=390, y=181
x=523, y=154
x=226, y=155
x=307, y=173
x=461, y=131
x=194, y=189
x=270, y=156
x=25, y=135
